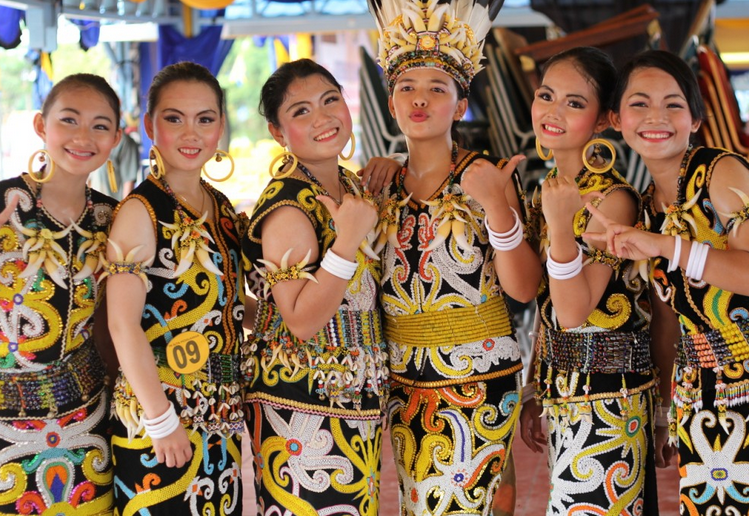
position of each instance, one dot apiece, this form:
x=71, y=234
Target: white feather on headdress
x=448, y=35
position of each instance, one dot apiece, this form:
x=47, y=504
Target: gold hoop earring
x=112, y=178
x=156, y=169
x=540, y=152
x=596, y=143
x=44, y=158
x=353, y=149
x=286, y=156
x=220, y=155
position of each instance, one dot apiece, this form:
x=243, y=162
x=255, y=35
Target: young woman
x=453, y=221
x=697, y=245
x=317, y=360
x=175, y=295
x=54, y=446
x=592, y=368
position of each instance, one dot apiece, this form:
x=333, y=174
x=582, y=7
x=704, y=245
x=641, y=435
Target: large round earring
x=286, y=156
x=220, y=155
x=540, y=152
x=155, y=163
x=111, y=176
x=596, y=144
x=353, y=149
x=48, y=163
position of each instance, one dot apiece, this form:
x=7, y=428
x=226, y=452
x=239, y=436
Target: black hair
x=183, y=71
x=275, y=88
x=595, y=65
x=674, y=66
x=84, y=80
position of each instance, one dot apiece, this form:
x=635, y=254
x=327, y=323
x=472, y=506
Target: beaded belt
x=722, y=346
x=448, y=327
x=346, y=328
x=346, y=359
x=218, y=369
x=600, y=352
x=77, y=378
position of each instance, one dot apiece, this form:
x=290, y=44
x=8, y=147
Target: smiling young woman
x=54, y=424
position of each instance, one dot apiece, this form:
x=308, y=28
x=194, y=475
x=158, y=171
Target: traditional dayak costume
x=54, y=442
x=597, y=381
x=711, y=377
x=314, y=406
x=193, y=320
x=454, y=361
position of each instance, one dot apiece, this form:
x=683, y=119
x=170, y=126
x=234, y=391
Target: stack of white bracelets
x=338, y=266
x=508, y=240
x=563, y=271
x=697, y=259
x=163, y=425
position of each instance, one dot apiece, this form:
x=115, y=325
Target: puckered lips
x=418, y=116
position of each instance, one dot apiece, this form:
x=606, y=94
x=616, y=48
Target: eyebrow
x=76, y=112
x=569, y=95
x=667, y=97
x=205, y=111
x=305, y=102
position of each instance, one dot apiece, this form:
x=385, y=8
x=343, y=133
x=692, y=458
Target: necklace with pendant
x=312, y=178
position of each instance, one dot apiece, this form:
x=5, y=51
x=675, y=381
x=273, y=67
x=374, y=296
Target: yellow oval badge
x=187, y=352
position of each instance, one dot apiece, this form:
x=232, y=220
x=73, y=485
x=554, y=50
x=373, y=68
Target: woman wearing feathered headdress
x=451, y=226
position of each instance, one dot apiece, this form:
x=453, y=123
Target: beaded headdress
x=442, y=34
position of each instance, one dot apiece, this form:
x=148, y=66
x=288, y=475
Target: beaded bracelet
x=163, y=425
x=697, y=259
x=529, y=392
x=508, y=240
x=563, y=271
x=673, y=263
x=338, y=266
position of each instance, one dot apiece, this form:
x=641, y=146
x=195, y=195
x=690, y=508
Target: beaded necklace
x=401, y=179
x=673, y=223
x=40, y=206
x=312, y=178
x=177, y=204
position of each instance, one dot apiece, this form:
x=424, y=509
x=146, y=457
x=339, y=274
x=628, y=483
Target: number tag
x=187, y=352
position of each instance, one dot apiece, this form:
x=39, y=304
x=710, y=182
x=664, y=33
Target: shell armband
x=737, y=218
x=274, y=274
x=126, y=265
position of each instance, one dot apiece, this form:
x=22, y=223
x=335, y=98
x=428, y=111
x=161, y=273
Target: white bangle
x=697, y=260
x=563, y=271
x=338, y=266
x=510, y=239
x=661, y=420
x=163, y=425
x=673, y=263
x=529, y=392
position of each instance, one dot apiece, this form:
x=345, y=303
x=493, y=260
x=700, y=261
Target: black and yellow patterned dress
x=711, y=379
x=54, y=425
x=597, y=383
x=454, y=361
x=208, y=401
x=315, y=406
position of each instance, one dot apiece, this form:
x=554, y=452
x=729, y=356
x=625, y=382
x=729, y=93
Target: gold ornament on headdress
x=448, y=36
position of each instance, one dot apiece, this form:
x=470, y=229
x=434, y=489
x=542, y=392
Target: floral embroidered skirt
x=451, y=443
x=713, y=444
x=309, y=464
x=209, y=484
x=57, y=466
x=602, y=463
